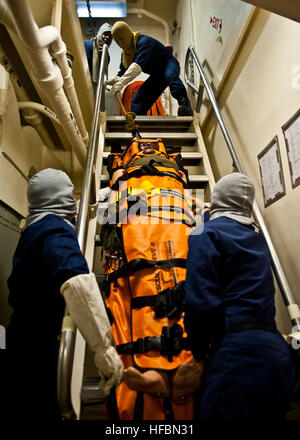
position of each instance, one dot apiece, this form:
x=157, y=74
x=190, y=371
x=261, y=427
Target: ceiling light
x=104, y=9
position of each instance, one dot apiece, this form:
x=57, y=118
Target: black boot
x=184, y=108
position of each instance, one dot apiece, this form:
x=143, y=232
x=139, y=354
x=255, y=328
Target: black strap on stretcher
x=123, y=213
x=142, y=263
x=139, y=264
x=169, y=343
x=166, y=303
x=147, y=170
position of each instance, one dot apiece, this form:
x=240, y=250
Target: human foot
x=151, y=381
x=186, y=381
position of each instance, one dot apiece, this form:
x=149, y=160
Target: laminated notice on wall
x=271, y=172
x=291, y=131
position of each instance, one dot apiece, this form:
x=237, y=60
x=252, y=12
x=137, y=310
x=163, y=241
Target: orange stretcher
x=144, y=296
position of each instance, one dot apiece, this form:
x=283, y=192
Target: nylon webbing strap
x=145, y=209
x=166, y=303
x=147, y=170
x=139, y=406
x=141, y=263
x=169, y=343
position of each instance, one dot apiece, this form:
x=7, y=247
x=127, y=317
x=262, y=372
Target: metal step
x=155, y=123
x=186, y=155
x=194, y=179
x=171, y=139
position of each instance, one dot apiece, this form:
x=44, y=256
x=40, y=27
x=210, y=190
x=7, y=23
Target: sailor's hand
x=112, y=81
x=116, y=88
x=110, y=368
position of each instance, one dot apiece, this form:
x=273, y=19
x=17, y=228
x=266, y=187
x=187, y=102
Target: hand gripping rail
x=67, y=344
x=292, y=307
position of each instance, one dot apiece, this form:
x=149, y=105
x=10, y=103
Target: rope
x=129, y=116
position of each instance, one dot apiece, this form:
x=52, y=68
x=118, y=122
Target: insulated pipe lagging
x=46, y=73
x=51, y=82
x=34, y=37
x=58, y=50
x=30, y=115
x=40, y=108
x=28, y=31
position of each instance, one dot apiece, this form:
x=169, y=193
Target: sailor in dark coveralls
x=141, y=53
x=229, y=313
x=49, y=271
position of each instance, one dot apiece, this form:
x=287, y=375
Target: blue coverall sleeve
x=203, y=300
x=63, y=257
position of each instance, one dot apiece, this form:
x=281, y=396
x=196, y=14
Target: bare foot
x=186, y=381
x=151, y=381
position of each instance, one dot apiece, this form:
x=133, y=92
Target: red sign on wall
x=216, y=23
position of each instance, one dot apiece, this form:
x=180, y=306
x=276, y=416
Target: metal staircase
x=174, y=131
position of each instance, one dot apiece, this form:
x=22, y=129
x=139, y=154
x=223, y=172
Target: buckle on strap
x=169, y=343
x=170, y=302
x=166, y=303
x=142, y=344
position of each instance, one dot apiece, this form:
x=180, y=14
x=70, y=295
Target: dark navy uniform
x=229, y=319
x=47, y=255
x=156, y=60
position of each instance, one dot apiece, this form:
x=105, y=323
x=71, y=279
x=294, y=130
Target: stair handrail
x=68, y=334
x=288, y=297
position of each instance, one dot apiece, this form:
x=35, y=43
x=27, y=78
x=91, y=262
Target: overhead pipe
x=30, y=115
x=47, y=74
x=40, y=108
x=58, y=50
x=33, y=118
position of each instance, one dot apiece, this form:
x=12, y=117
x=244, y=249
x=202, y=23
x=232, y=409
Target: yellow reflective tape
x=68, y=324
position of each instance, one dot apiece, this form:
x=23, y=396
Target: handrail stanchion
x=68, y=336
x=283, y=284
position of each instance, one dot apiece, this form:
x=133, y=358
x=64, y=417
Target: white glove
x=108, y=360
x=86, y=307
x=112, y=81
x=133, y=70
